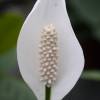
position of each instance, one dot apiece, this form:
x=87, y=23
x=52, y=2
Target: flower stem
x=47, y=93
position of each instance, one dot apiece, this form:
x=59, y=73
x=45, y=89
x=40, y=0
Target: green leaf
x=91, y=75
x=10, y=25
x=11, y=89
x=89, y=9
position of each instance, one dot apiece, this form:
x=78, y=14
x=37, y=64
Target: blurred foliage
x=12, y=89
x=10, y=24
x=89, y=9
x=8, y=60
x=87, y=12
x=91, y=75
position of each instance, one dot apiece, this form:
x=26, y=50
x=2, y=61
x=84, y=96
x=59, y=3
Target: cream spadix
x=48, y=55
x=71, y=59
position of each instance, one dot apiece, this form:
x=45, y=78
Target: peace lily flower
x=49, y=16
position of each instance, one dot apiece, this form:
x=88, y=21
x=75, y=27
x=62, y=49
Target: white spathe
x=71, y=59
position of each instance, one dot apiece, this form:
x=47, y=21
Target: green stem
x=47, y=93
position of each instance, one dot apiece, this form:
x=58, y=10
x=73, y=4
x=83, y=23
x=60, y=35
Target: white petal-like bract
x=71, y=59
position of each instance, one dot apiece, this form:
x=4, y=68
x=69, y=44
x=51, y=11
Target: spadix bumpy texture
x=48, y=51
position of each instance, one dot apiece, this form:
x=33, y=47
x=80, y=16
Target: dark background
x=85, y=19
